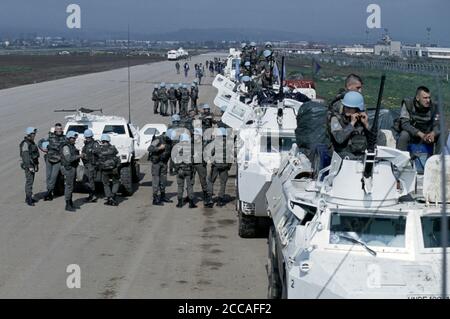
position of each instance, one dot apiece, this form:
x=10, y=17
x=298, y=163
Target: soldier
x=155, y=99
x=29, y=154
x=176, y=123
x=163, y=99
x=89, y=155
x=172, y=93
x=250, y=87
x=178, y=94
x=177, y=66
x=246, y=70
x=253, y=54
x=349, y=131
x=419, y=120
x=159, y=154
x=194, y=97
x=109, y=164
x=70, y=158
x=186, y=69
x=199, y=165
x=352, y=83
x=222, y=154
x=184, y=99
x=183, y=165
x=207, y=118
x=53, y=159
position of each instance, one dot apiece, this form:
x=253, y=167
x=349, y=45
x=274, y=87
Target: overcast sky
x=321, y=19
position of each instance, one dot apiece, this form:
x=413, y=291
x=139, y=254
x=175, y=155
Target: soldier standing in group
x=29, y=154
x=109, y=164
x=70, y=158
x=53, y=159
x=89, y=155
x=199, y=165
x=222, y=154
x=183, y=165
x=159, y=153
x=163, y=99
x=194, y=97
x=184, y=100
x=155, y=99
x=172, y=93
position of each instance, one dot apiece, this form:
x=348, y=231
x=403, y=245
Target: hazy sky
x=322, y=19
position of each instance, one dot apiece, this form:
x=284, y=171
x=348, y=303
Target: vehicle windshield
x=116, y=129
x=77, y=128
x=374, y=231
x=431, y=230
x=276, y=144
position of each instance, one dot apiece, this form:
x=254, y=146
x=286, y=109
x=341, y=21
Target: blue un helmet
x=44, y=145
x=221, y=131
x=156, y=86
x=180, y=85
x=163, y=85
x=185, y=138
x=71, y=134
x=205, y=107
x=198, y=131
x=246, y=78
x=252, y=44
x=243, y=45
x=268, y=45
x=88, y=133
x=175, y=118
x=171, y=85
x=30, y=130
x=105, y=138
x=247, y=63
x=184, y=86
x=267, y=53
x=354, y=100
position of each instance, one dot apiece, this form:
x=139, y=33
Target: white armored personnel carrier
x=131, y=142
x=264, y=132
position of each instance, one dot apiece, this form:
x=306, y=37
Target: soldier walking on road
x=159, y=154
x=186, y=69
x=155, y=99
x=53, y=159
x=177, y=66
x=183, y=165
x=70, y=158
x=29, y=154
x=89, y=155
x=109, y=164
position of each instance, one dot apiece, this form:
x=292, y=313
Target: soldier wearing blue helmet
x=89, y=155
x=172, y=93
x=53, y=159
x=199, y=165
x=163, y=98
x=349, y=130
x=159, y=153
x=183, y=165
x=155, y=99
x=29, y=154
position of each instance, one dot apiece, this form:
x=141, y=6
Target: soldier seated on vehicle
x=419, y=121
x=349, y=130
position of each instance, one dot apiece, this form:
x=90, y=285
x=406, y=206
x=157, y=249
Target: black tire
x=247, y=225
x=275, y=287
x=126, y=180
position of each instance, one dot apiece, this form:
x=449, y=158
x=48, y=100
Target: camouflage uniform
x=53, y=162
x=172, y=100
x=90, y=162
x=109, y=164
x=70, y=158
x=155, y=99
x=29, y=155
x=159, y=158
x=163, y=98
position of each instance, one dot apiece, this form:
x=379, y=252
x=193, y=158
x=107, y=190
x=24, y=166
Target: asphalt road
x=131, y=251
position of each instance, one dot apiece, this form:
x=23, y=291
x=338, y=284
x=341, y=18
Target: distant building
x=356, y=50
x=426, y=52
x=393, y=48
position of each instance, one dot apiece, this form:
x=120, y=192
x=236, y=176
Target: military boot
x=114, y=201
x=48, y=196
x=92, y=198
x=221, y=202
x=192, y=204
x=69, y=206
x=207, y=200
x=164, y=199
x=157, y=200
x=73, y=205
x=29, y=200
x=180, y=203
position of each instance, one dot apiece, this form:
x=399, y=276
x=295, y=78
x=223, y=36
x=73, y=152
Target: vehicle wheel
x=274, y=290
x=136, y=172
x=247, y=225
x=59, y=185
x=126, y=179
